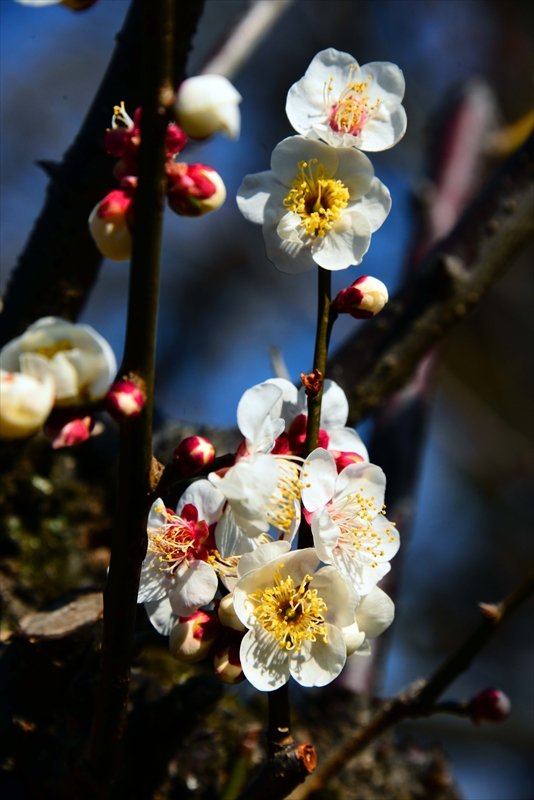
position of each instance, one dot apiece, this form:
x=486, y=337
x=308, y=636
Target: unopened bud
x=193, y=454
x=73, y=432
x=206, y=104
x=124, y=399
x=227, y=615
x=491, y=704
x=25, y=403
x=353, y=637
x=297, y=436
x=110, y=224
x=192, y=637
x=345, y=459
x=365, y=298
x=194, y=189
x=227, y=665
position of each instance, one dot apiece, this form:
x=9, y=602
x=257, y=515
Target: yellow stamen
x=317, y=200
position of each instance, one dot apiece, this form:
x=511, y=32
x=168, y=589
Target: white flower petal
x=289, y=226
x=264, y=663
x=161, y=615
x=386, y=81
x=326, y=533
x=346, y=440
x=194, y=585
x=59, y=368
x=156, y=516
x=375, y=613
x=290, y=257
x=229, y=539
x=353, y=637
x=254, y=193
x=206, y=498
x=287, y=406
x=254, y=416
x=319, y=476
x=317, y=664
x=340, y=597
x=286, y=156
x=366, y=479
x=153, y=583
x=334, y=406
x=362, y=574
x=364, y=649
x=356, y=171
x=345, y=244
x=381, y=134
x=375, y=205
x=261, y=556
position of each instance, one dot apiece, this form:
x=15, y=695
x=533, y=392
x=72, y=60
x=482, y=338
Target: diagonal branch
x=419, y=702
x=447, y=285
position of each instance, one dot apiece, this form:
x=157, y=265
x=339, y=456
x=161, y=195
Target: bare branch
x=447, y=285
x=420, y=700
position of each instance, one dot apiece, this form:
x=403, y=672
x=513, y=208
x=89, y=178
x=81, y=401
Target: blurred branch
x=59, y=264
x=136, y=460
x=446, y=286
x=241, y=42
x=420, y=700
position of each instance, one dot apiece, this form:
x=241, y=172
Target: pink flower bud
x=193, y=189
x=193, y=454
x=345, y=459
x=227, y=615
x=110, y=224
x=124, y=399
x=73, y=432
x=297, y=436
x=365, y=298
x=227, y=664
x=491, y=704
x=192, y=637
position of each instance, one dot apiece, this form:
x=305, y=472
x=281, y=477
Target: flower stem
x=322, y=339
x=129, y=539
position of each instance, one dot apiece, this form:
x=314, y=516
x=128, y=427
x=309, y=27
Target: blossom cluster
x=205, y=104
x=284, y=613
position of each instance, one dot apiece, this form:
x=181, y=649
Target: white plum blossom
x=374, y=614
x=180, y=571
x=334, y=434
x=79, y=360
x=348, y=522
x=317, y=205
x=25, y=403
x=262, y=490
x=206, y=104
x=295, y=614
x=346, y=105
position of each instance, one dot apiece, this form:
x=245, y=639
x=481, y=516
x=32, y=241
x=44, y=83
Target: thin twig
x=241, y=42
x=129, y=540
x=420, y=702
x=447, y=285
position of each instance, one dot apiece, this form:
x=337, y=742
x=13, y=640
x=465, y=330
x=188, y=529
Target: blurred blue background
x=222, y=304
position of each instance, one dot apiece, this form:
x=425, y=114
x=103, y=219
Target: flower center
x=58, y=347
x=294, y=614
x=352, y=109
x=317, y=200
x=178, y=539
x=282, y=506
x=355, y=515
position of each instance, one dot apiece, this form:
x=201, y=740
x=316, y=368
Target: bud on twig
x=313, y=382
x=365, y=298
x=73, y=432
x=192, y=637
x=124, y=399
x=227, y=615
x=491, y=705
x=110, y=224
x=194, y=189
x=193, y=454
x=227, y=665
x=206, y=104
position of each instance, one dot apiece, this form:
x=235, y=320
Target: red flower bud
x=73, y=432
x=345, y=459
x=193, y=189
x=110, y=224
x=124, y=399
x=491, y=704
x=363, y=299
x=192, y=637
x=297, y=436
x=193, y=454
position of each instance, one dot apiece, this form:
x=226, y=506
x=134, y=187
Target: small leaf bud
x=363, y=299
x=227, y=665
x=491, y=705
x=124, y=399
x=192, y=637
x=193, y=454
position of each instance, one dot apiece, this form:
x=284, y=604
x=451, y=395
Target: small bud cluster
x=205, y=104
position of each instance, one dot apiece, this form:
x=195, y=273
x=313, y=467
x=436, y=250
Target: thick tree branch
x=420, y=701
x=60, y=263
x=129, y=540
x=447, y=285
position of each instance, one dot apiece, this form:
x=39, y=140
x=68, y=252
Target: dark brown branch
x=447, y=285
x=420, y=701
x=129, y=540
x=60, y=263
x=319, y=357
x=283, y=773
